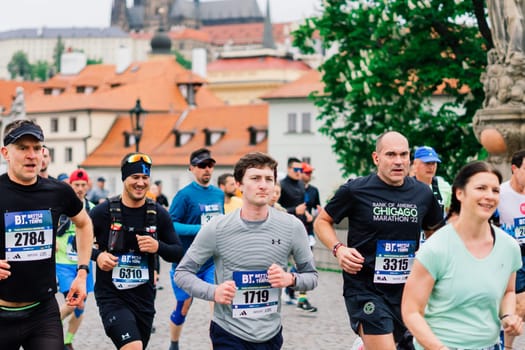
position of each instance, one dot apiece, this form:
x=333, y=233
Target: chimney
x=72, y=62
x=123, y=59
x=198, y=61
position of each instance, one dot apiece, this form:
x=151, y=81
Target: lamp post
x=137, y=115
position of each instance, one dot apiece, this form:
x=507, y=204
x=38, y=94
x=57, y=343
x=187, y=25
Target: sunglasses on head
x=298, y=170
x=134, y=158
x=205, y=165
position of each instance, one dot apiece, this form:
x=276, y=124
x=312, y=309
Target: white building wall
x=41, y=49
x=91, y=128
x=327, y=176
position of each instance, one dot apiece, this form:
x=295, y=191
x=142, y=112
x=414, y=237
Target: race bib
x=131, y=271
x=71, y=252
x=28, y=235
x=254, y=296
x=208, y=212
x=394, y=260
x=519, y=230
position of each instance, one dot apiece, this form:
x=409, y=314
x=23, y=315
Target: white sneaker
x=311, y=240
x=358, y=344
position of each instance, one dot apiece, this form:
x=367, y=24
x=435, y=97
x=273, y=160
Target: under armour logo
x=276, y=241
x=125, y=336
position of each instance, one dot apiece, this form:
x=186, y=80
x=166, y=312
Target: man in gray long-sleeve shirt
x=250, y=247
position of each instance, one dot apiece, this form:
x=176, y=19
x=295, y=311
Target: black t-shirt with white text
x=384, y=225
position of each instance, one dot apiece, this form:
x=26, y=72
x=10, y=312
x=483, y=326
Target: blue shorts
x=66, y=273
x=207, y=275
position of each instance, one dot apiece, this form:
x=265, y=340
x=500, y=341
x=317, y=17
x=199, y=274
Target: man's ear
x=375, y=158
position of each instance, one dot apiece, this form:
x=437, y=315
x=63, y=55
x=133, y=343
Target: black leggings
x=36, y=328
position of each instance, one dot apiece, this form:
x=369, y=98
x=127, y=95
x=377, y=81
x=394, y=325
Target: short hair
x=222, y=178
x=517, y=158
x=158, y=182
x=257, y=160
x=292, y=160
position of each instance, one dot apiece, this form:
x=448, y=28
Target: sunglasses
x=298, y=170
x=307, y=172
x=134, y=158
x=205, y=165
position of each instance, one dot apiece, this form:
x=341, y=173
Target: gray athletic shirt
x=236, y=245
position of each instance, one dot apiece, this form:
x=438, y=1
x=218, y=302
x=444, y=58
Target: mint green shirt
x=463, y=307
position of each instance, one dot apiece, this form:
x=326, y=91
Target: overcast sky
x=16, y=14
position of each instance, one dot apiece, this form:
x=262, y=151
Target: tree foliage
x=391, y=56
x=19, y=66
x=57, y=54
x=40, y=70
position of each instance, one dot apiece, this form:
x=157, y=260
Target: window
x=72, y=124
x=306, y=119
x=51, y=153
x=69, y=155
x=292, y=122
x=54, y=124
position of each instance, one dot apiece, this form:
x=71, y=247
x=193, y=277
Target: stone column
x=499, y=125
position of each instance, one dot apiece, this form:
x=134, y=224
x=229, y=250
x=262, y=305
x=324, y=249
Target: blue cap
x=426, y=154
x=62, y=177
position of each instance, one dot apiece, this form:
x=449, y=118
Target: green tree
x=181, y=60
x=40, y=70
x=19, y=66
x=391, y=57
x=94, y=61
x=57, y=54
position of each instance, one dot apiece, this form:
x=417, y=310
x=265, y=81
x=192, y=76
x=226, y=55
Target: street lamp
x=137, y=115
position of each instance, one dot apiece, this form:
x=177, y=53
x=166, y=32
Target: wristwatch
x=83, y=267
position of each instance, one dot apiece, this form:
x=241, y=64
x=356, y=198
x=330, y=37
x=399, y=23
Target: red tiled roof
x=247, y=63
x=205, y=98
x=154, y=82
x=179, y=33
x=8, y=92
x=158, y=139
x=246, y=33
x=301, y=87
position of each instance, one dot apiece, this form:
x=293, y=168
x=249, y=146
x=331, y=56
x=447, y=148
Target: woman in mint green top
x=461, y=287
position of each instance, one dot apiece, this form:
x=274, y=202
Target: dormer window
x=257, y=135
x=85, y=89
x=213, y=136
x=53, y=91
x=188, y=91
x=182, y=137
